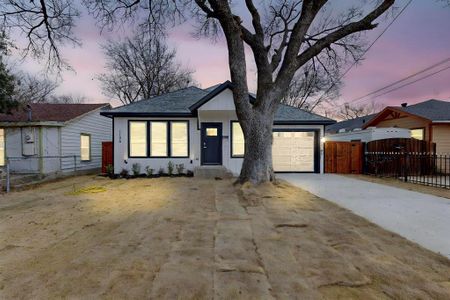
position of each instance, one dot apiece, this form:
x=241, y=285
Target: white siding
x=222, y=101
x=122, y=161
x=100, y=129
x=17, y=162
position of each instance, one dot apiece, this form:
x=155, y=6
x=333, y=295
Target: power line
x=402, y=80
x=366, y=50
x=409, y=83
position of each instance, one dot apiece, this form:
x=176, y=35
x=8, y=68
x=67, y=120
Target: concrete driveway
x=421, y=218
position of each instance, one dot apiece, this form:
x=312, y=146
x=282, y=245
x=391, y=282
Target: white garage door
x=293, y=151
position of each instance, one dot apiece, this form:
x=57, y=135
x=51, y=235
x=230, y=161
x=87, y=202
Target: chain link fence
x=20, y=170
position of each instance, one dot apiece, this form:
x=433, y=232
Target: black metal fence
x=422, y=168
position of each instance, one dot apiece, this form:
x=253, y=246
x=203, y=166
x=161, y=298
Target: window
x=85, y=148
x=2, y=147
x=158, y=139
x=138, y=138
x=237, y=140
x=417, y=133
x=211, y=131
x=179, y=139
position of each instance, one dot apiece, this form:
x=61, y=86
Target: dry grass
x=186, y=238
x=436, y=191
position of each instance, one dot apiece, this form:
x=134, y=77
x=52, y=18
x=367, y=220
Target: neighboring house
x=428, y=120
x=369, y=134
x=53, y=138
x=198, y=127
x=348, y=125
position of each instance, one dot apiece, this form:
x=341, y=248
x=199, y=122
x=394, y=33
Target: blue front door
x=211, y=143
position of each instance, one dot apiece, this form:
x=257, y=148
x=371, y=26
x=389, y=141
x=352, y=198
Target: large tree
x=140, y=68
x=283, y=36
x=279, y=52
x=6, y=79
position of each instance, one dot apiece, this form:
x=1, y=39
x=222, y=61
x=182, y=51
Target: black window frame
x=147, y=139
x=168, y=138
x=90, y=147
x=231, y=141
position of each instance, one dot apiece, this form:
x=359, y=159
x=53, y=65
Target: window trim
x=423, y=132
x=168, y=138
x=149, y=143
x=231, y=141
x=147, y=139
x=90, y=147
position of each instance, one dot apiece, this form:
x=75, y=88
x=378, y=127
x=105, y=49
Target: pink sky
x=419, y=38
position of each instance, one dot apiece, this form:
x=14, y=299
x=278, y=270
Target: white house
x=198, y=127
x=53, y=138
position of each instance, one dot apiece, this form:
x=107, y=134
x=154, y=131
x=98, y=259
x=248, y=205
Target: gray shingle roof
x=289, y=113
x=434, y=110
x=349, y=125
x=174, y=102
x=180, y=102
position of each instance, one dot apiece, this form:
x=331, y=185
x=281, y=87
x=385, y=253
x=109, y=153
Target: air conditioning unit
x=28, y=141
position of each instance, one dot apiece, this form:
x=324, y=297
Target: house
x=428, y=120
x=53, y=138
x=369, y=134
x=199, y=128
x=348, y=125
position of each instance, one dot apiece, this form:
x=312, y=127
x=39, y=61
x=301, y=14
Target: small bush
x=170, y=168
x=161, y=171
x=136, y=169
x=110, y=171
x=180, y=169
x=149, y=171
x=189, y=173
x=124, y=173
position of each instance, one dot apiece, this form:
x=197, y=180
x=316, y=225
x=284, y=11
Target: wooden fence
x=401, y=145
x=107, y=155
x=344, y=157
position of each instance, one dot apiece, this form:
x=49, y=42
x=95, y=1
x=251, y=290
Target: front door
x=211, y=144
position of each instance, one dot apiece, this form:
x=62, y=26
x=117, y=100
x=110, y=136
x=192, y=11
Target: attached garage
x=296, y=150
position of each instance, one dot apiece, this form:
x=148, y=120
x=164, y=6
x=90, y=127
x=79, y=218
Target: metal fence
x=19, y=170
x=422, y=168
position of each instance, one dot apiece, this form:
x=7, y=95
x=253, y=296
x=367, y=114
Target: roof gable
x=186, y=102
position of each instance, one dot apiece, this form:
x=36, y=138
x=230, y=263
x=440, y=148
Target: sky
x=419, y=38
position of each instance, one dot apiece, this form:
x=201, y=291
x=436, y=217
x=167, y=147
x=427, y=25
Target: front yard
x=186, y=238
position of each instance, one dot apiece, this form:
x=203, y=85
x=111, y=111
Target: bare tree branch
x=47, y=25
x=140, y=68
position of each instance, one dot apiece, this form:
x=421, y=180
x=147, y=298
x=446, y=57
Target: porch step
x=212, y=172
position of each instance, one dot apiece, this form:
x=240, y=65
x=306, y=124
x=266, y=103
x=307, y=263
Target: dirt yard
x=185, y=238
x=435, y=191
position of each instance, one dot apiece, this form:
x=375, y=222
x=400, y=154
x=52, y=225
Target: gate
x=107, y=155
x=344, y=157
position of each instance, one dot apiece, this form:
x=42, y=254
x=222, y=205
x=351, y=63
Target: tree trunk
x=257, y=166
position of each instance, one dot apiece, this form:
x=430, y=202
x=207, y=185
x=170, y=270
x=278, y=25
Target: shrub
x=189, y=173
x=124, y=173
x=136, y=169
x=149, y=171
x=170, y=168
x=161, y=171
x=110, y=171
x=180, y=169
